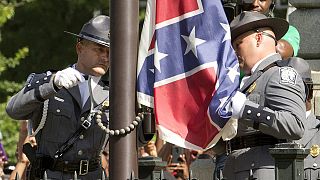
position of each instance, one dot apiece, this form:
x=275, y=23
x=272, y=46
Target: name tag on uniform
x=59, y=99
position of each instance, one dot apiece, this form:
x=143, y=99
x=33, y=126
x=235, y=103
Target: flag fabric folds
x=187, y=70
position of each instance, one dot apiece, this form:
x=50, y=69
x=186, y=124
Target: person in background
x=3, y=157
x=311, y=137
x=23, y=161
x=178, y=165
x=151, y=148
x=289, y=44
x=105, y=160
x=270, y=105
x=69, y=123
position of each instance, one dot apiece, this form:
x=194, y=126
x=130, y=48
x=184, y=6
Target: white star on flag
x=192, y=42
x=233, y=72
x=158, y=56
x=226, y=27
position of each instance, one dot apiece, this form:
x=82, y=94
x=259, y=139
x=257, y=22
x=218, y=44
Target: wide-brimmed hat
x=97, y=30
x=247, y=21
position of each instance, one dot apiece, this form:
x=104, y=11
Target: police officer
x=311, y=137
x=63, y=113
x=270, y=105
x=287, y=47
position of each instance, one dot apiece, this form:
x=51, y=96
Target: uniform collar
x=260, y=61
x=265, y=62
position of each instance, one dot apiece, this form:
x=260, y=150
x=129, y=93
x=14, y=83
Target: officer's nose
x=105, y=54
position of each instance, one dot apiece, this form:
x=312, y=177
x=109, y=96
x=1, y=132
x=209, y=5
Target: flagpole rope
x=111, y=132
x=122, y=131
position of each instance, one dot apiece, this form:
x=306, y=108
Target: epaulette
x=35, y=80
x=282, y=63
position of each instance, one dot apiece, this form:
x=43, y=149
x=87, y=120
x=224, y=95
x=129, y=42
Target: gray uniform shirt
x=64, y=116
x=311, y=138
x=278, y=92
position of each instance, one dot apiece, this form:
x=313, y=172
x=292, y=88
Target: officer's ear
x=81, y=43
x=79, y=47
x=258, y=37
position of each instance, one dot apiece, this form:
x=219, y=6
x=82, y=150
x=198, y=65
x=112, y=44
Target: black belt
x=82, y=167
x=253, y=140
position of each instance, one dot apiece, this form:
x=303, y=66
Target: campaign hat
x=96, y=29
x=251, y=21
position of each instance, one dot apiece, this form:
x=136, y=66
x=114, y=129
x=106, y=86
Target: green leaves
x=10, y=132
x=8, y=127
x=6, y=12
x=12, y=62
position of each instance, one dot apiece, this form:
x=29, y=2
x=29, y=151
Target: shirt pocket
x=60, y=123
x=255, y=97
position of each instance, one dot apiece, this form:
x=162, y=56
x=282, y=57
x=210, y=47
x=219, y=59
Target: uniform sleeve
x=37, y=89
x=293, y=38
x=284, y=111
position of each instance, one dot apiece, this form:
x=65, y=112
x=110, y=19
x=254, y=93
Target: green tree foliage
x=10, y=132
x=40, y=25
x=8, y=127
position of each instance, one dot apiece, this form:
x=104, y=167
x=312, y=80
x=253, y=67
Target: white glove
x=238, y=101
x=68, y=78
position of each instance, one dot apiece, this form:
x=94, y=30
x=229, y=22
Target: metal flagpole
x=124, y=32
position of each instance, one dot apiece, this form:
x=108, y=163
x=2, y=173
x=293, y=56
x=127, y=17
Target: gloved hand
x=237, y=102
x=68, y=78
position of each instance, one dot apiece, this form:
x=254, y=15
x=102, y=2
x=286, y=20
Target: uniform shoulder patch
x=35, y=80
x=288, y=75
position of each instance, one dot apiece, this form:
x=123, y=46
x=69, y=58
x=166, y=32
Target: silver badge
x=288, y=75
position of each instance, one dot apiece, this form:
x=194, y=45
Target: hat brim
x=278, y=25
x=107, y=44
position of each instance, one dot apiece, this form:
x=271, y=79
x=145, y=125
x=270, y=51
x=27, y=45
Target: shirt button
x=81, y=136
x=258, y=115
x=315, y=164
x=249, y=112
x=45, y=78
x=58, y=110
x=37, y=82
x=82, y=119
x=80, y=152
x=29, y=85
